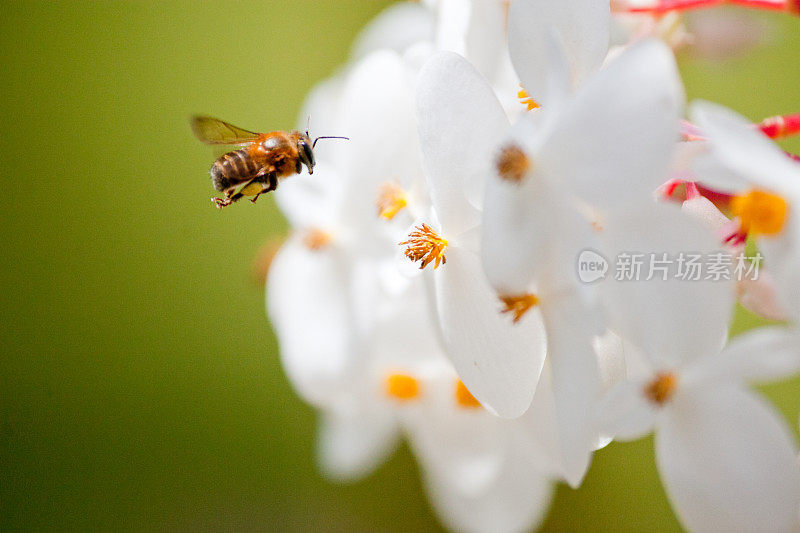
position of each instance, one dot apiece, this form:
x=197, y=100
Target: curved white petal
x=746, y=150
x=312, y=201
x=782, y=257
x=485, y=42
x=613, y=145
x=463, y=449
x=460, y=125
x=582, y=25
x=764, y=354
x=576, y=380
x=625, y=413
x=498, y=361
x=353, y=442
x=479, y=475
x=308, y=306
x=517, y=232
x=378, y=116
x=610, y=351
x=396, y=28
x=728, y=462
x=760, y=296
x=672, y=321
x=516, y=501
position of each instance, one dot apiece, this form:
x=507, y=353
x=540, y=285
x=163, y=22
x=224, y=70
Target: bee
x=262, y=160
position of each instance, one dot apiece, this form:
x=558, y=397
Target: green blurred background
x=141, y=387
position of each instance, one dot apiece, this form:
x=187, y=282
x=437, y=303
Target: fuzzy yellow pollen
x=518, y=304
x=512, y=163
x=661, y=388
x=425, y=245
x=316, y=239
x=391, y=200
x=464, y=397
x=402, y=387
x=526, y=100
x=760, y=212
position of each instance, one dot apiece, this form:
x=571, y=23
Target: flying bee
x=262, y=160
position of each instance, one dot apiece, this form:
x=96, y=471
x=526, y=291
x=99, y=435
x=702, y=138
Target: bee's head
x=305, y=150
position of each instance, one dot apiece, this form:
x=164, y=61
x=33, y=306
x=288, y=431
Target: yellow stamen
x=518, y=304
x=661, y=389
x=391, y=200
x=402, y=387
x=760, y=212
x=464, y=397
x=512, y=163
x=425, y=245
x=526, y=100
x=316, y=239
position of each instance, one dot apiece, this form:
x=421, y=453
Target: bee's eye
x=308, y=154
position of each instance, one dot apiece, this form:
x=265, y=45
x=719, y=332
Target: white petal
x=518, y=232
x=764, y=354
x=702, y=209
x=625, y=413
x=610, y=352
x=583, y=26
x=452, y=98
x=463, y=449
x=614, y=144
x=308, y=306
x=728, y=462
x=782, y=255
x=397, y=27
x=576, y=380
x=760, y=296
x=312, y=201
x=745, y=149
x=353, y=443
x=515, y=502
x=676, y=320
x=485, y=43
x=497, y=360
x=379, y=90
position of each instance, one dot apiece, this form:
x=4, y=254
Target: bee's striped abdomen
x=231, y=169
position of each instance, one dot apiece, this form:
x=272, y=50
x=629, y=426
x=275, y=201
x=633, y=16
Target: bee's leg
x=229, y=197
x=271, y=185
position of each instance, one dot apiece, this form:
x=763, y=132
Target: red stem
x=780, y=126
x=665, y=6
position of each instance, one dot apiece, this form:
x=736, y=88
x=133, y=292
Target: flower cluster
x=430, y=286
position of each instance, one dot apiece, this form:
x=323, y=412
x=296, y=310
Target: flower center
x=391, y=200
x=661, y=389
x=316, y=239
x=464, y=397
x=512, y=163
x=760, y=212
x=425, y=245
x=518, y=304
x=526, y=100
x=402, y=387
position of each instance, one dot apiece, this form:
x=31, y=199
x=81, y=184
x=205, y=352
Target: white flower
x=766, y=182
x=482, y=473
x=323, y=278
x=726, y=460
x=577, y=154
x=500, y=362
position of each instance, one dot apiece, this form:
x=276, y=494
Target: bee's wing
x=214, y=131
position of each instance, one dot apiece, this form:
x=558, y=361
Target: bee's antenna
x=328, y=137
